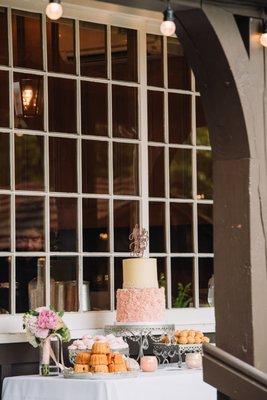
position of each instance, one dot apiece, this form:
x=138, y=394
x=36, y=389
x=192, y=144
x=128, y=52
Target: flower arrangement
x=43, y=322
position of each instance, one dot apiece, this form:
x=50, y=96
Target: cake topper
x=139, y=241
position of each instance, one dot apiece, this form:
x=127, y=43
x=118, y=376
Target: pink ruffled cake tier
x=140, y=305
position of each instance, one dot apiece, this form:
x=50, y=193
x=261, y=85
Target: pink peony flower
x=47, y=319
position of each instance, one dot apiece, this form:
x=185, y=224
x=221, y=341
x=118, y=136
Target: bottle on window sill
x=36, y=287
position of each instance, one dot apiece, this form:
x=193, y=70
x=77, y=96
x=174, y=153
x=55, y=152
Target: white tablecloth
x=170, y=385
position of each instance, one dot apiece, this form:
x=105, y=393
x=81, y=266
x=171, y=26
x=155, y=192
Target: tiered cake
x=141, y=299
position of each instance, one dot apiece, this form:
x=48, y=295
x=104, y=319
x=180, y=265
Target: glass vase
x=49, y=356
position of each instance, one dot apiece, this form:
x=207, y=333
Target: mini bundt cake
x=99, y=369
x=117, y=367
x=81, y=368
x=98, y=359
x=83, y=358
x=100, y=348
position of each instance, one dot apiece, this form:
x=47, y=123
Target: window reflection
x=125, y=111
x=97, y=276
x=4, y=99
x=156, y=165
x=126, y=216
x=118, y=278
x=125, y=169
x=3, y=36
x=4, y=223
x=155, y=104
x=95, y=166
x=96, y=225
x=157, y=232
x=63, y=224
x=204, y=174
x=180, y=130
x=124, y=54
x=202, y=129
x=182, y=282
x=29, y=223
x=61, y=45
x=29, y=162
x=179, y=74
x=180, y=162
x=64, y=284
x=205, y=228
x=94, y=108
x=27, y=39
x=205, y=279
x=5, y=289
x=154, y=60
x=93, y=49
x=28, y=101
x=181, y=228
x=4, y=161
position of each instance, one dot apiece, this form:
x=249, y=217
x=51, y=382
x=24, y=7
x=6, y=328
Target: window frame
x=144, y=22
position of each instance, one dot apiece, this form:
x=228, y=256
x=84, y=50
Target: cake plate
x=167, y=351
x=141, y=333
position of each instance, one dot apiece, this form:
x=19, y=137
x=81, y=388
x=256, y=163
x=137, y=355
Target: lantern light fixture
x=167, y=26
x=263, y=38
x=54, y=9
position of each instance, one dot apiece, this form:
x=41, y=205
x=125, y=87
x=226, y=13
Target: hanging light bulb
x=263, y=38
x=54, y=9
x=167, y=26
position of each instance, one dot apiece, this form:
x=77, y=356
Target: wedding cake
x=140, y=300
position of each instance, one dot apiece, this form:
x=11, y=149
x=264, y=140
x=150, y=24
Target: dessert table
x=183, y=384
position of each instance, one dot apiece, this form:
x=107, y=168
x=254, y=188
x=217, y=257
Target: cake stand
x=167, y=351
x=140, y=333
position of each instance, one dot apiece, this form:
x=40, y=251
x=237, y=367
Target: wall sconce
x=26, y=97
x=263, y=38
x=167, y=26
x=54, y=9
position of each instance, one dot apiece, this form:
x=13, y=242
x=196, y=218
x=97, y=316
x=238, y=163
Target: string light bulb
x=167, y=26
x=54, y=9
x=263, y=38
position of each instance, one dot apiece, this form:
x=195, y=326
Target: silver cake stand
x=140, y=333
x=167, y=351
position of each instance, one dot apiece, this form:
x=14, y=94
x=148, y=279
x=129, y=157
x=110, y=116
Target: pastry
x=81, y=368
x=183, y=333
x=200, y=334
x=82, y=358
x=198, y=339
x=177, y=333
x=99, y=368
x=100, y=348
x=192, y=333
x=190, y=340
x=117, y=367
x=165, y=339
x=182, y=340
x=118, y=358
x=205, y=339
x=98, y=359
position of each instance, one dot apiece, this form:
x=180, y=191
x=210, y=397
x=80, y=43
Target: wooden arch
x=231, y=76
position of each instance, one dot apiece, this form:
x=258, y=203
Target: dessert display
x=185, y=337
x=101, y=360
x=140, y=300
x=87, y=342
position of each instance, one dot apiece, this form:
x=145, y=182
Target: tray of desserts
x=84, y=345
x=101, y=363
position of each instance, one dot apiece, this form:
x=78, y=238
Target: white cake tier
x=140, y=273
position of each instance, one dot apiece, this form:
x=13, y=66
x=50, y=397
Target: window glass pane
x=155, y=104
x=204, y=174
x=202, y=129
x=157, y=235
x=94, y=108
x=3, y=37
x=30, y=283
x=95, y=225
x=126, y=216
x=124, y=54
x=63, y=224
x=28, y=101
x=62, y=105
x=95, y=166
x=156, y=171
x=162, y=273
x=29, y=162
x=118, y=278
x=5, y=292
x=27, y=39
x=62, y=165
x=179, y=75
x=125, y=169
x=125, y=111
x=205, y=275
x=30, y=223
x=4, y=99
x=180, y=130
x=61, y=46
x=154, y=60
x=4, y=224
x=180, y=173
x=93, y=49
x=64, y=285
x=182, y=282
x=4, y=161
x=205, y=228
x=96, y=289
x=181, y=228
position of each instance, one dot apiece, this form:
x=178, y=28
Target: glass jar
x=49, y=356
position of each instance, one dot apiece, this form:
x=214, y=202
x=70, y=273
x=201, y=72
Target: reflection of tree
x=180, y=173
x=204, y=174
